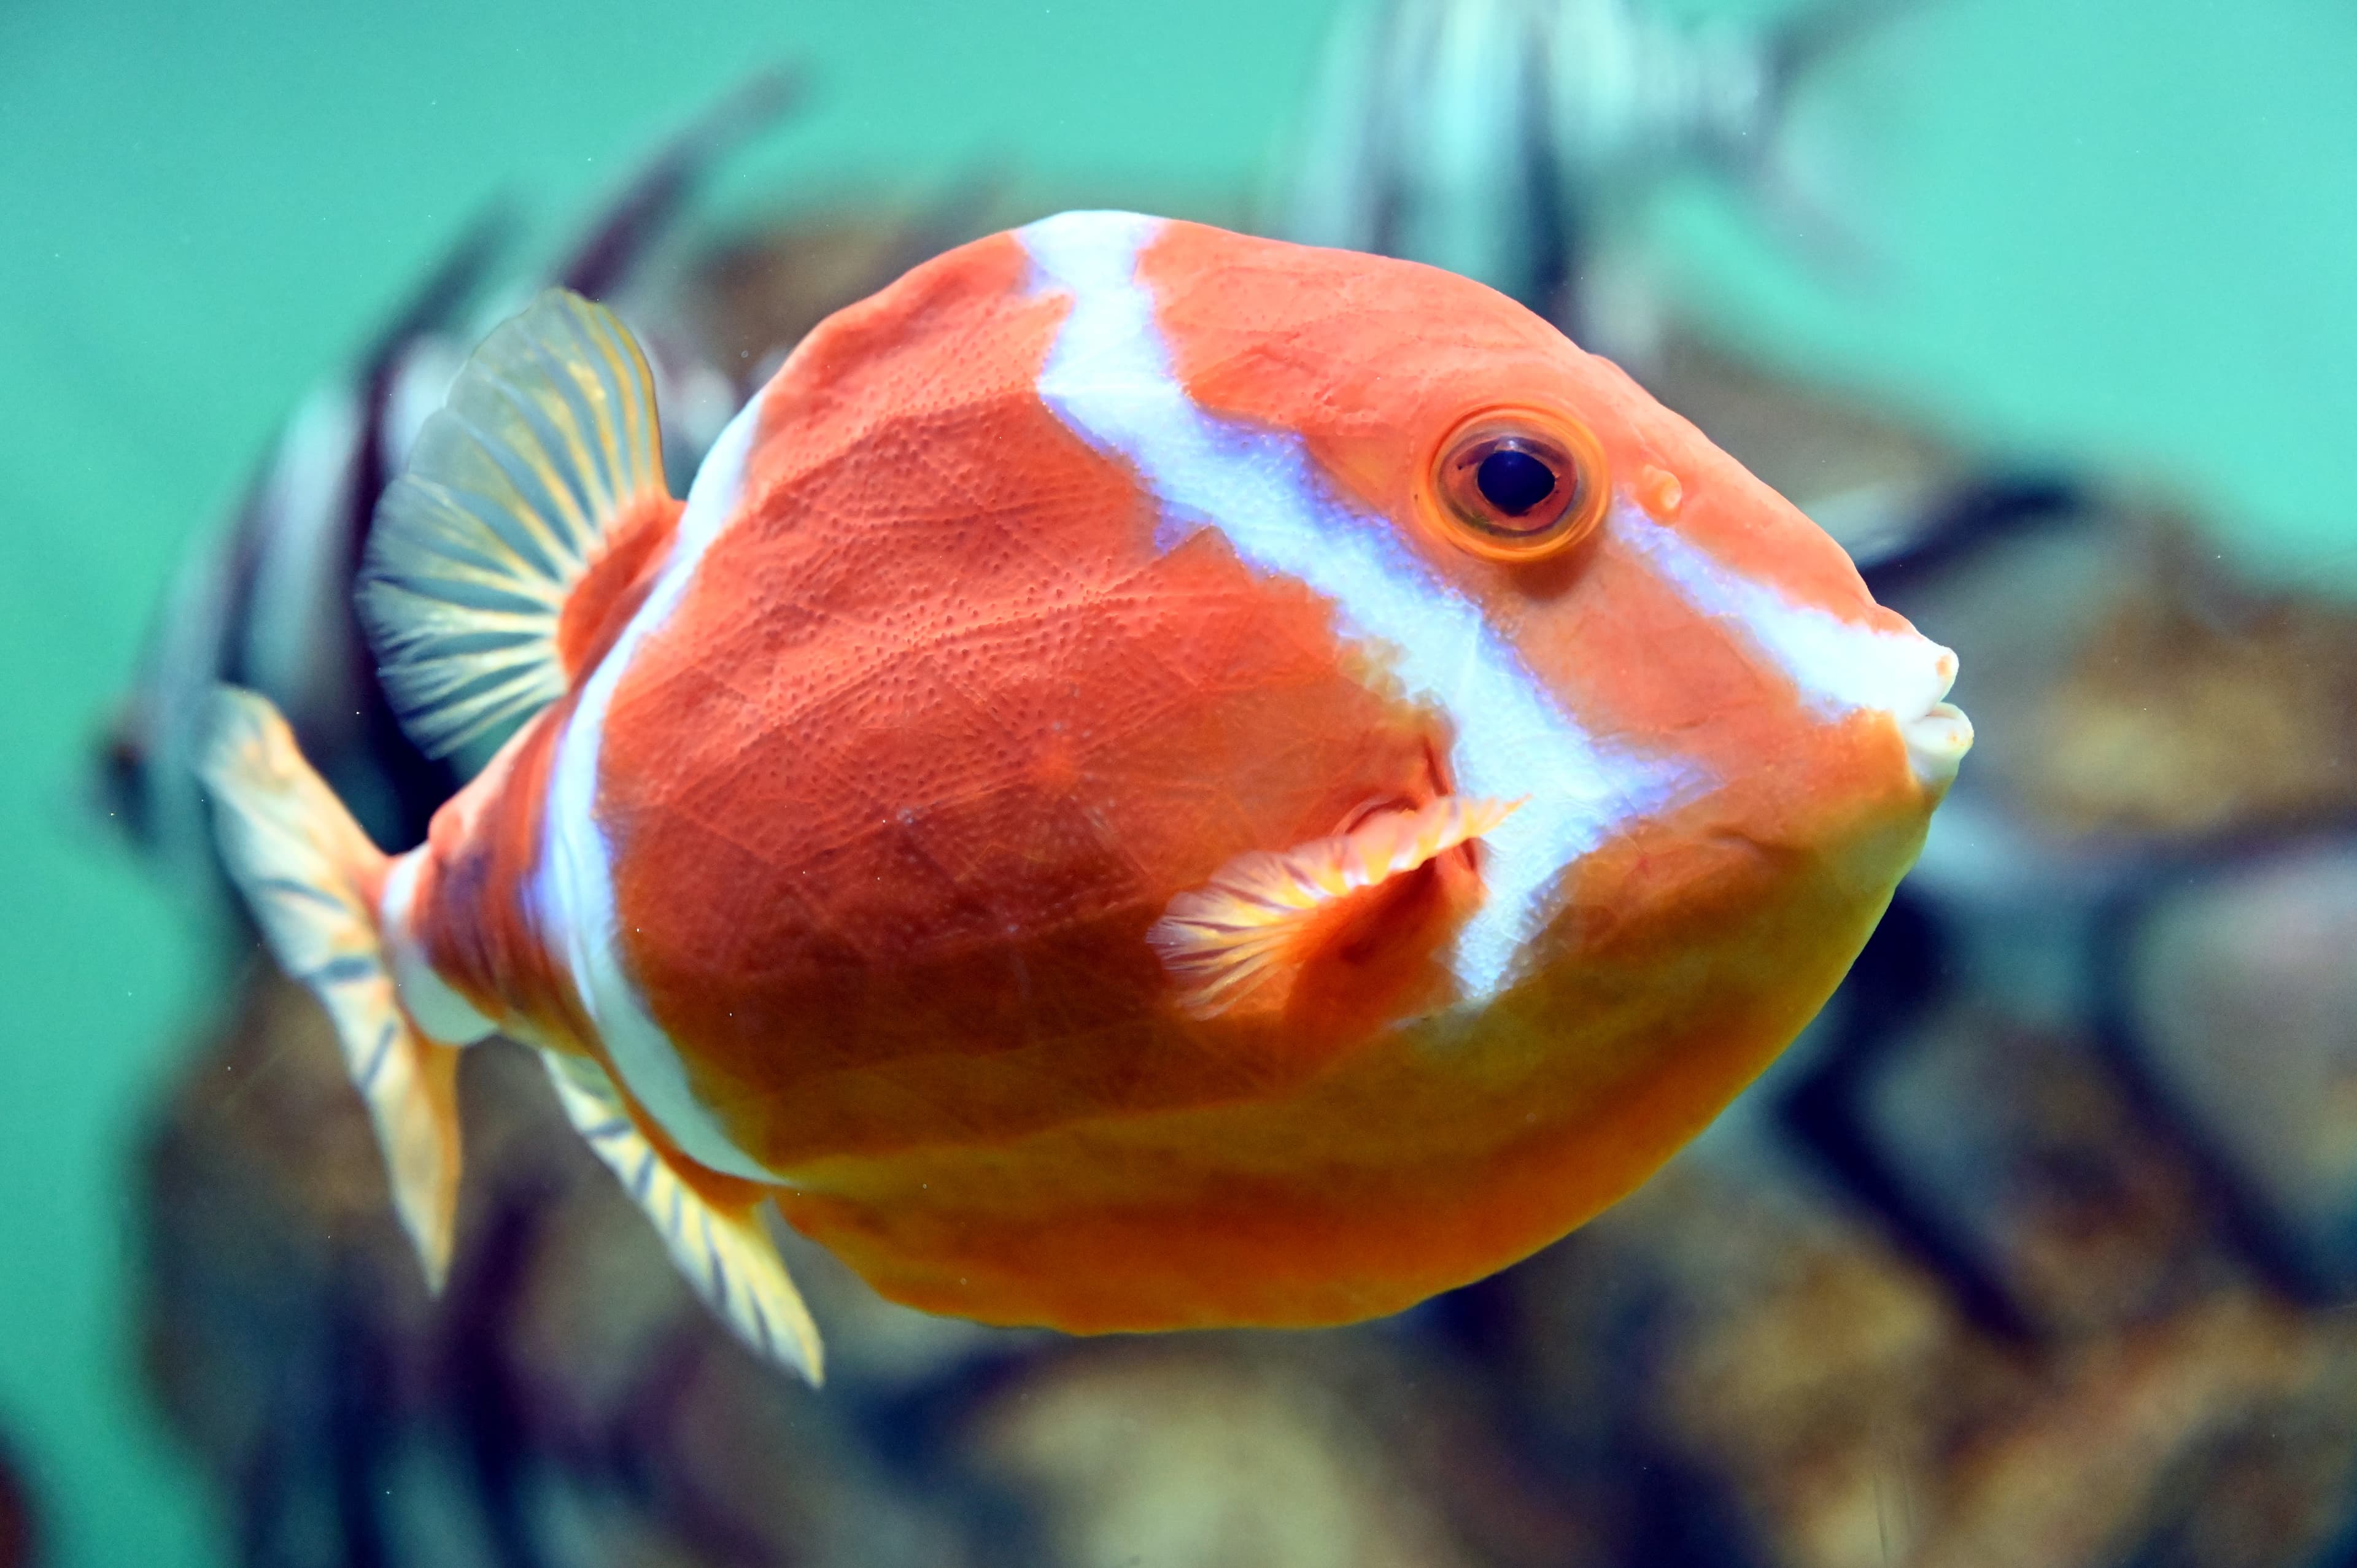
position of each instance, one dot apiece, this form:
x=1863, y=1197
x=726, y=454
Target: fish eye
x=1518, y=485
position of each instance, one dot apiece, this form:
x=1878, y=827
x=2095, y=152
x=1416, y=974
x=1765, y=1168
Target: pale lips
x=1938, y=737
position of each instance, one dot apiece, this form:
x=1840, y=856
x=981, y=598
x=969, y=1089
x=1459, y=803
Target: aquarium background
x=2113, y=238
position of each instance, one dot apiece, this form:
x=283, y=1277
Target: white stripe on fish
x=433, y=1003
x=1109, y=378
x=575, y=883
x=1838, y=666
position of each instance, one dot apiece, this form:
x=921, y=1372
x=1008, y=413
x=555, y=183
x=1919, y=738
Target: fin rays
x=548, y=437
x=1221, y=941
x=302, y=861
x=724, y=1255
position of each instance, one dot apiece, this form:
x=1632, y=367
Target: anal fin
x=722, y=1248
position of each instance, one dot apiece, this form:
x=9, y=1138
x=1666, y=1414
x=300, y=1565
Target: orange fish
x=1156, y=780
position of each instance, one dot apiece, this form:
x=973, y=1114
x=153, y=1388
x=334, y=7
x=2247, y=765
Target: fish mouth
x=1938, y=737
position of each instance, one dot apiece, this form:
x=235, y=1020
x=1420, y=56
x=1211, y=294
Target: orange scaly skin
x=950, y=815
x=956, y=701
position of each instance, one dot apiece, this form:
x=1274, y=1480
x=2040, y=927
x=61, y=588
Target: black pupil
x=1515, y=482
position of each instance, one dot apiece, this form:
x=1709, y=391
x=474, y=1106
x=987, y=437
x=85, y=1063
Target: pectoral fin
x=1262, y=914
x=719, y=1245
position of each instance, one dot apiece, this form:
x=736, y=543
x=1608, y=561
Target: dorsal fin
x=1223, y=941
x=547, y=443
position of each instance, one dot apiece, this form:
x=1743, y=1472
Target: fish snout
x=1939, y=735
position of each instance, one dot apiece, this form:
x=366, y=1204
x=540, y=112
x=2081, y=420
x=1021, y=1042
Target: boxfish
x=1155, y=779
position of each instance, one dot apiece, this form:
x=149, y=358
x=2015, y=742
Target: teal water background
x=2123, y=232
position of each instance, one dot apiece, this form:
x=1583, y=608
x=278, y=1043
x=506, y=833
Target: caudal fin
x=313, y=879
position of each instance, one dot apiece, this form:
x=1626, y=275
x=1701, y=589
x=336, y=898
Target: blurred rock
x=565, y=1401
x=2235, y=978
x=269, y=1244
x=1857, y=1421
x=2028, y=1142
x=2125, y=1427
x=1322, y=1450
x=2197, y=704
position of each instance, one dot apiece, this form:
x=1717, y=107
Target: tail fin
x=312, y=879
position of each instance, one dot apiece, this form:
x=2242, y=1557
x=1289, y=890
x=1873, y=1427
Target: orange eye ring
x=1515, y=484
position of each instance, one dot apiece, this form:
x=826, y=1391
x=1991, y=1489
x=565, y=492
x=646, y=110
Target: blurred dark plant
x=565, y=1401
x=1519, y=142
x=19, y=1537
x=264, y=600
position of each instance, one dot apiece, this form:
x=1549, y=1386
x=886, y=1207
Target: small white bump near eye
x=1838, y=665
x=1109, y=378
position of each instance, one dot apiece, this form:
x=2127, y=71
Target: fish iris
x=1518, y=484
